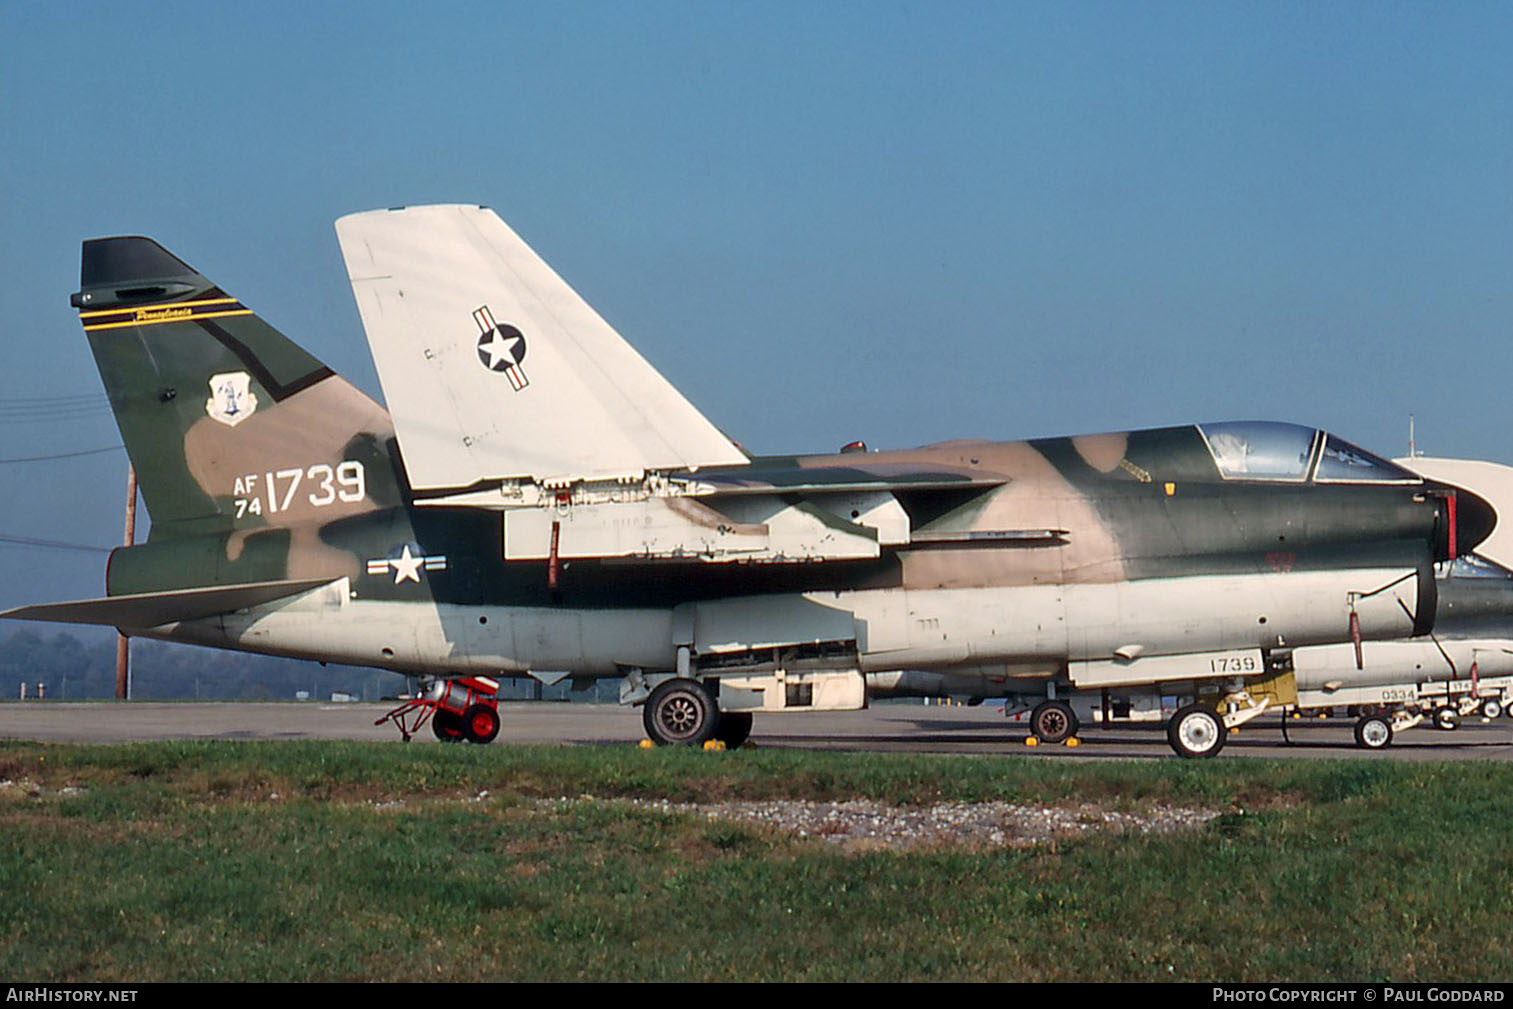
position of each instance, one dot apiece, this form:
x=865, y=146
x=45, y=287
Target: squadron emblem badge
x=231, y=398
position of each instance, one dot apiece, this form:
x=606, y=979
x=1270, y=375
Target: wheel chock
x=1032, y=741
x=647, y=744
x=713, y=745
x=1073, y=741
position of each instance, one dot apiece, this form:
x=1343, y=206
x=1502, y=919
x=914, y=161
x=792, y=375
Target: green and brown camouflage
x=212, y=404
x=284, y=521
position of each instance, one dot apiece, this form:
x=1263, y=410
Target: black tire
x=447, y=726
x=1446, y=718
x=1492, y=707
x=1196, y=732
x=680, y=713
x=1373, y=732
x=1053, y=722
x=734, y=728
x=481, y=724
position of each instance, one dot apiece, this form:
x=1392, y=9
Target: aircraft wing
x=152, y=609
x=864, y=476
x=494, y=368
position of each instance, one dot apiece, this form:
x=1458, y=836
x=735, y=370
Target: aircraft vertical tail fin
x=232, y=428
x=494, y=368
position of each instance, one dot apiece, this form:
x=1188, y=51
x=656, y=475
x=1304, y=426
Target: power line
x=97, y=406
x=63, y=455
x=35, y=408
x=44, y=400
x=27, y=541
x=52, y=420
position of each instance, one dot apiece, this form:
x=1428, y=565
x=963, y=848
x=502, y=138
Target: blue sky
x=895, y=222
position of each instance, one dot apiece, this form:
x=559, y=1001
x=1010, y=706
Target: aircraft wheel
x=447, y=726
x=680, y=712
x=1053, y=721
x=1446, y=718
x=1491, y=707
x=734, y=728
x=481, y=723
x=1196, y=731
x=1373, y=732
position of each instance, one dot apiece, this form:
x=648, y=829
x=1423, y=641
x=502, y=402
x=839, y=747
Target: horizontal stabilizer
x=152, y=609
x=495, y=369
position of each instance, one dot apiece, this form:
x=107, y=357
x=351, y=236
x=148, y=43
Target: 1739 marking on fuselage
x=275, y=490
x=1244, y=663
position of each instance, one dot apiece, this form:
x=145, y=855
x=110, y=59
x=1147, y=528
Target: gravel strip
x=865, y=823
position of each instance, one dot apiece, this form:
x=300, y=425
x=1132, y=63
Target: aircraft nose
x=1483, y=490
x=1474, y=519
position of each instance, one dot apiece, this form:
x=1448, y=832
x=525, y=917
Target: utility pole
x=123, y=645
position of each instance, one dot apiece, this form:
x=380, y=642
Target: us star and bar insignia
x=501, y=348
x=407, y=565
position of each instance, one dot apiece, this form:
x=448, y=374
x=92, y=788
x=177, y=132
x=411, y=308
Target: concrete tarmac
x=887, y=727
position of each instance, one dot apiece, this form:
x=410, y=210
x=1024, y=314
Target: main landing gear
x=1053, y=721
x=465, y=709
x=683, y=712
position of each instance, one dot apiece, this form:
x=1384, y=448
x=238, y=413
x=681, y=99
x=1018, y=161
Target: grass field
x=338, y=861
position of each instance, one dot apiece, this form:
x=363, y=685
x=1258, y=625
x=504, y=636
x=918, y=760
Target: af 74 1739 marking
x=280, y=487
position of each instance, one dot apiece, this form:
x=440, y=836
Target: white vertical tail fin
x=494, y=368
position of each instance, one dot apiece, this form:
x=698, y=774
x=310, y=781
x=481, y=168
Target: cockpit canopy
x=1270, y=450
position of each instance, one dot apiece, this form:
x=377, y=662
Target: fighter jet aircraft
x=539, y=500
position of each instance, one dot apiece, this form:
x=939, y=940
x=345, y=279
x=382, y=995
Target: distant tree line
x=73, y=669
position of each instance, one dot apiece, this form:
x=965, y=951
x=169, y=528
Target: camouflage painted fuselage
x=270, y=477
x=1076, y=547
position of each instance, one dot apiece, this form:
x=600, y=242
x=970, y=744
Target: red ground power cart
x=464, y=708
